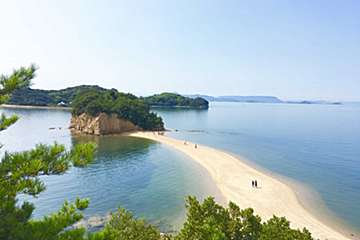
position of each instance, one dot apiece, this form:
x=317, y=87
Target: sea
x=313, y=147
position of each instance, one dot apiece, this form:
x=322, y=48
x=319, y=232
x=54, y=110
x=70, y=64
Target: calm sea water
x=317, y=145
x=140, y=175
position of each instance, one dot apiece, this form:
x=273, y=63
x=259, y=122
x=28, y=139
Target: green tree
x=8, y=83
x=208, y=220
x=6, y=122
x=123, y=226
x=279, y=228
x=19, y=174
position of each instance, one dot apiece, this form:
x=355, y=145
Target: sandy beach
x=233, y=177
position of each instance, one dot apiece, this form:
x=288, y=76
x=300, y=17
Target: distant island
x=109, y=112
x=251, y=99
x=64, y=98
x=176, y=100
x=257, y=99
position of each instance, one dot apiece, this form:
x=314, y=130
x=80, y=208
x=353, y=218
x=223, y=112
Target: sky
x=289, y=49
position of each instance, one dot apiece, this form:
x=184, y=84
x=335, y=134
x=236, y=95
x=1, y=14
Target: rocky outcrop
x=101, y=124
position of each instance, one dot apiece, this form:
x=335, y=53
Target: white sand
x=233, y=177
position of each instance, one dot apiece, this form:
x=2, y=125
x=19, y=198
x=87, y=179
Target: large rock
x=101, y=124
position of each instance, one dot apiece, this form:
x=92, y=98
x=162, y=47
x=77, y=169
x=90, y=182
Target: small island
x=111, y=112
x=176, y=100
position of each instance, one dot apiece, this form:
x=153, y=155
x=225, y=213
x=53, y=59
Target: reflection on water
x=140, y=175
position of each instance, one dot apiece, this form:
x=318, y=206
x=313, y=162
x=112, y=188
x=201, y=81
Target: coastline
x=69, y=108
x=233, y=175
x=309, y=199
x=9, y=106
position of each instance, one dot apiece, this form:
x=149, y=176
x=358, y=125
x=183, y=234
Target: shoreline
x=233, y=175
x=309, y=199
x=17, y=106
x=10, y=106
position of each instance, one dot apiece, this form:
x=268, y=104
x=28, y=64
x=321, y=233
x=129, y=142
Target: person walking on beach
x=256, y=183
x=195, y=145
x=252, y=183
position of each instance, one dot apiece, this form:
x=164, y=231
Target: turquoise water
x=318, y=145
x=140, y=175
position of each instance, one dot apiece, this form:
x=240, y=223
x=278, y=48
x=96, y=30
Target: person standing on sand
x=195, y=145
x=252, y=183
x=256, y=183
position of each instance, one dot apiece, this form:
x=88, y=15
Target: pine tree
x=19, y=174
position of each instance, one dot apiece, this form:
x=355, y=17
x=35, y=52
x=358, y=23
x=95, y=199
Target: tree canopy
x=64, y=97
x=8, y=84
x=209, y=220
x=39, y=97
x=18, y=79
x=205, y=221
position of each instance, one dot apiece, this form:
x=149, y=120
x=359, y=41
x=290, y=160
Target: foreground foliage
x=126, y=106
x=19, y=174
x=205, y=221
x=20, y=78
x=6, y=122
x=123, y=226
x=208, y=220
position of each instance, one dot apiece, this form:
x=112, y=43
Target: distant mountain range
x=256, y=99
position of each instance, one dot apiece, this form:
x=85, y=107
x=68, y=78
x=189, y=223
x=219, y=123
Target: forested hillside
x=38, y=97
x=176, y=100
x=64, y=97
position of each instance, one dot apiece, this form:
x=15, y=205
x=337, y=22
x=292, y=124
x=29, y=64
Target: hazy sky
x=291, y=49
